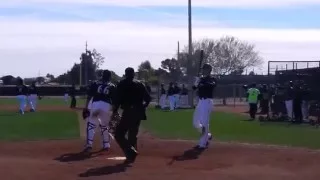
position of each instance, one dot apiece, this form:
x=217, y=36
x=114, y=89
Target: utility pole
x=189, y=71
x=178, y=53
x=86, y=65
x=80, y=76
x=86, y=46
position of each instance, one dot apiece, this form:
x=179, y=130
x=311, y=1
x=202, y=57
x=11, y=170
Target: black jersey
x=176, y=90
x=22, y=90
x=102, y=91
x=184, y=91
x=290, y=93
x=206, y=87
x=170, y=91
x=33, y=89
x=163, y=91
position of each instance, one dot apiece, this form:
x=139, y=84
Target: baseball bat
x=200, y=62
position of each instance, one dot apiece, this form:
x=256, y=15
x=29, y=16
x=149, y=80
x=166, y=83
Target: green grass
x=44, y=101
x=38, y=126
x=231, y=127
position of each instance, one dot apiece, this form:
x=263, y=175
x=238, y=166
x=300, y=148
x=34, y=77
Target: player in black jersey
x=201, y=117
x=22, y=93
x=33, y=96
x=163, y=97
x=184, y=96
x=102, y=94
x=176, y=95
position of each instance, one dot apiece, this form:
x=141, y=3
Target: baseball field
x=44, y=145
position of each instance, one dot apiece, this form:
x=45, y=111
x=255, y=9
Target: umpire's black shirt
x=132, y=94
x=206, y=87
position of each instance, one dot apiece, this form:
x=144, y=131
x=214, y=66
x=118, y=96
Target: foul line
x=81, y=125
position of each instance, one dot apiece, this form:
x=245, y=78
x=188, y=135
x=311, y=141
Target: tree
x=40, y=80
x=8, y=80
x=173, y=68
x=237, y=72
x=114, y=76
x=98, y=58
x=89, y=67
x=227, y=54
x=145, y=71
x=50, y=76
x=145, y=65
x=251, y=73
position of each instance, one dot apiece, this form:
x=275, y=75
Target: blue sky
x=289, y=17
x=60, y=29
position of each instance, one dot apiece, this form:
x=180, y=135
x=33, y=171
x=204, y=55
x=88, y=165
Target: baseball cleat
x=210, y=136
x=200, y=148
x=106, y=149
x=131, y=159
x=21, y=112
x=87, y=149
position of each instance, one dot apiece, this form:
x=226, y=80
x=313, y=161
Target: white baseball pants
x=162, y=101
x=171, y=102
x=201, y=119
x=100, y=114
x=33, y=98
x=289, y=108
x=22, y=99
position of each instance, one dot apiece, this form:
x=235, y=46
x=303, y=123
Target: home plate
x=119, y=158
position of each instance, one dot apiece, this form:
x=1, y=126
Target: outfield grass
x=45, y=101
x=231, y=127
x=39, y=125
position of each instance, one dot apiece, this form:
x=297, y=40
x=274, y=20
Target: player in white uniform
x=22, y=94
x=201, y=117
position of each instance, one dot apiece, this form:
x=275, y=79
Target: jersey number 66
x=103, y=90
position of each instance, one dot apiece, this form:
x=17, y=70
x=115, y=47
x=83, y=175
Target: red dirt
x=223, y=161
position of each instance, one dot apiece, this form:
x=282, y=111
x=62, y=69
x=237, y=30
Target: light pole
x=189, y=71
x=80, y=76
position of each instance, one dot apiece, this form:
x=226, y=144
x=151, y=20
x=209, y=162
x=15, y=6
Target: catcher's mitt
x=114, y=122
x=85, y=113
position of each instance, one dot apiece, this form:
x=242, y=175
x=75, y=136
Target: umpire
x=133, y=98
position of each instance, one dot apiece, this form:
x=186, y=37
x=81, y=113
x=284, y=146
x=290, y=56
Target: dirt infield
x=159, y=159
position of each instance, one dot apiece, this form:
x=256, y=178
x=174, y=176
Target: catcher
x=101, y=94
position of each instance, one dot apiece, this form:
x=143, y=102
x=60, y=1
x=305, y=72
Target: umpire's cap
x=129, y=72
